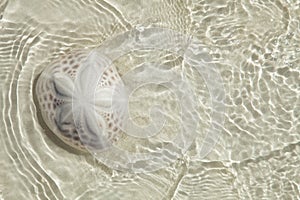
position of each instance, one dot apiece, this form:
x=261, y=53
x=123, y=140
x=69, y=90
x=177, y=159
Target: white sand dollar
x=56, y=97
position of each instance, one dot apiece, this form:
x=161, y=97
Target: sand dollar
x=59, y=97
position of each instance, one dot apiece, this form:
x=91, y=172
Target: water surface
x=255, y=48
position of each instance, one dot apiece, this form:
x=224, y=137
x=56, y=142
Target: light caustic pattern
x=85, y=102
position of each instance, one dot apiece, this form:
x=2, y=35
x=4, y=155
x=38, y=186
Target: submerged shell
x=58, y=102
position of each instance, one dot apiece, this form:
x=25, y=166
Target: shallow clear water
x=253, y=45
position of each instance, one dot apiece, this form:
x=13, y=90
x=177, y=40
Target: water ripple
x=254, y=44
